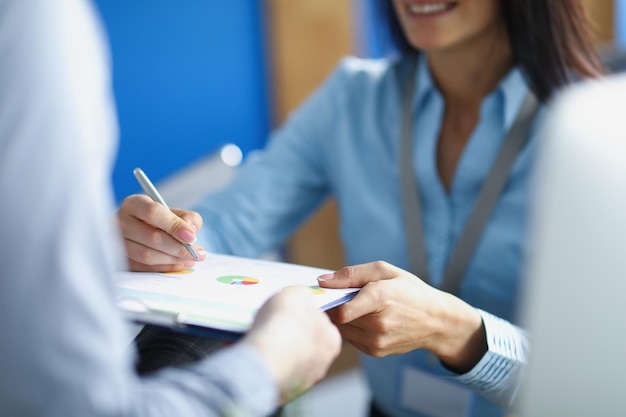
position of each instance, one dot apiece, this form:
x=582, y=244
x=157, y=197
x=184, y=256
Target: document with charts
x=219, y=295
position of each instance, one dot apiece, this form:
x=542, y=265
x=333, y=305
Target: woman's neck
x=466, y=73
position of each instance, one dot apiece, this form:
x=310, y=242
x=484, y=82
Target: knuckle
x=124, y=226
x=378, y=353
x=173, y=225
x=144, y=257
x=374, y=351
x=133, y=203
x=341, y=316
x=348, y=272
x=381, y=266
x=382, y=327
x=155, y=238
x=381, y=289
x=152, y=213
x=127, y=203
x=181, y=252
x=378, y=348
x=377, y=290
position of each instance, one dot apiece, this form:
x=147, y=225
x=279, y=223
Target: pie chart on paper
x=238, y=280
x=317, y=289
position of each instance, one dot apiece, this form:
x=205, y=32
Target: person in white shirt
x=65, y=348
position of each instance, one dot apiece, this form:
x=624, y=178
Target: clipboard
x=219, y=297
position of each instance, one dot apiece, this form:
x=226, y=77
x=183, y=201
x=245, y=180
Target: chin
x=430, y=45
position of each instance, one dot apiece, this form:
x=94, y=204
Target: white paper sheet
x=223, y=292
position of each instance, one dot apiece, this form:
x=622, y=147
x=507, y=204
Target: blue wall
x=620, y=22
x=189, y=76
x=373, y=40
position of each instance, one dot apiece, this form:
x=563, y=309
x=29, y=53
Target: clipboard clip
x=137, y=311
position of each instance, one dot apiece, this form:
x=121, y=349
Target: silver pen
x=153, y=193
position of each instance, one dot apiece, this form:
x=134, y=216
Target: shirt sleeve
x=233, y=382
x=278, y=187
x=497, y=375
x=66, y=349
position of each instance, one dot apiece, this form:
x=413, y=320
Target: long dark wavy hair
x=552, y=41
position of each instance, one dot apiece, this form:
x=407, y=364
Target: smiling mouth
x=427, y=9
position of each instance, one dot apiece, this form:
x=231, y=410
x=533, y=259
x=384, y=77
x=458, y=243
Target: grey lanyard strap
x=485, y=201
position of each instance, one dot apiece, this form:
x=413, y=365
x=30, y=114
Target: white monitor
x=575, y=297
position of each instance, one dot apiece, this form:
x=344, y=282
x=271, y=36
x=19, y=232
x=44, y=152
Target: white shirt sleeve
x=497, y=375
x=64, y=350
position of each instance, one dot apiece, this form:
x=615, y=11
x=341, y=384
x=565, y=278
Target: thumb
x=192, y=218
x=180, y=229
x=358, y=276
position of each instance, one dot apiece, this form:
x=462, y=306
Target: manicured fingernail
x=326, y=277
x=189, y=264
x=187, y=236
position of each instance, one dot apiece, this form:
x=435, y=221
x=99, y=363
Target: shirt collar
x=512, y=90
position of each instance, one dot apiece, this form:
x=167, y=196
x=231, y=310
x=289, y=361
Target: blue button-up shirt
x=344, y=141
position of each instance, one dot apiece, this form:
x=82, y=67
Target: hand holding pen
x=157, y=238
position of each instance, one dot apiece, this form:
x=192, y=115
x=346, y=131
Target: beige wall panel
x=601, y=13
x=308, y=38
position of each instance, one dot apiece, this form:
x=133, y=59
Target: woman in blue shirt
x=466, y=74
